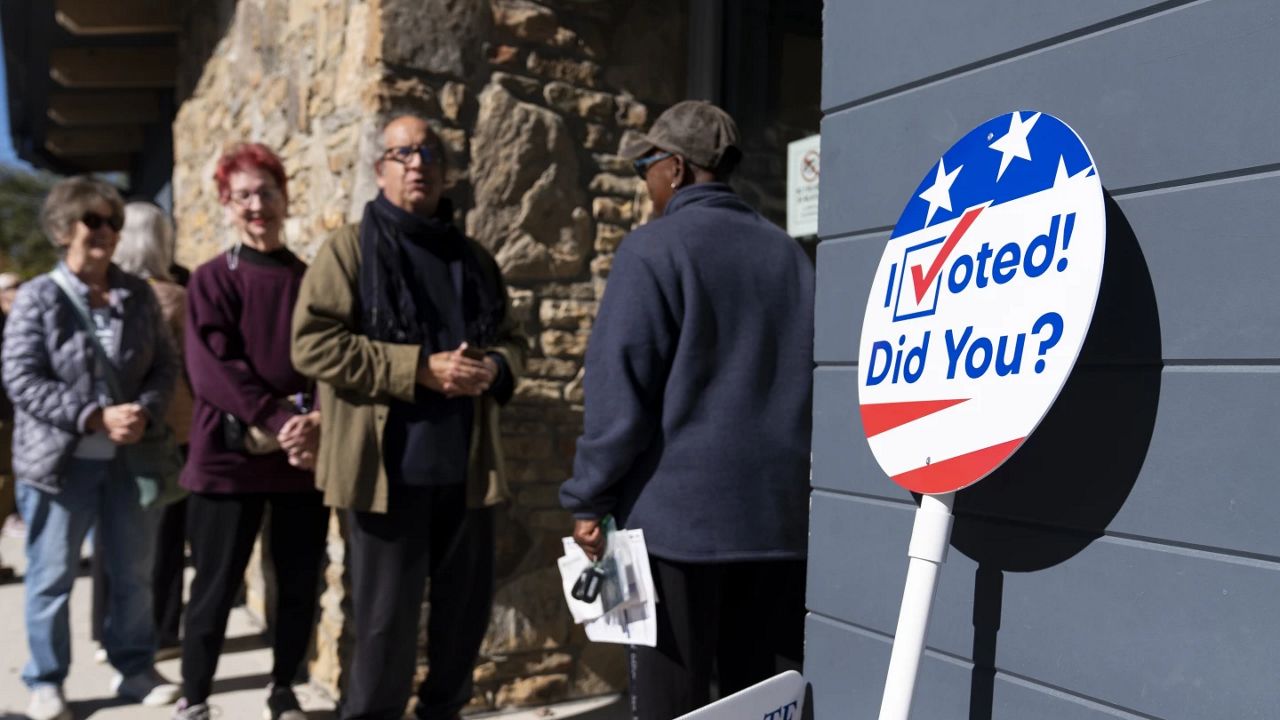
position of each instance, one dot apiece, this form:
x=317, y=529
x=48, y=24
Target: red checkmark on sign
x=922, y=280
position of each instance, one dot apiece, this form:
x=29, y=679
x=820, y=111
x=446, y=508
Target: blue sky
x=7, y=154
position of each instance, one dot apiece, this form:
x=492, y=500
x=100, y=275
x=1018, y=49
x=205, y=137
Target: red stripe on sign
x=957, y=472
x=879, y=417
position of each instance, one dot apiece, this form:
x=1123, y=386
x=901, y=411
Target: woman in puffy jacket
x=68, y=435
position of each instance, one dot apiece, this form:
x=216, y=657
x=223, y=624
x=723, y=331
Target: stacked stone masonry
x=532, y=101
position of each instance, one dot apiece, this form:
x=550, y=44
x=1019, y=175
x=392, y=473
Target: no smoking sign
x=809, y=167
x=803, y=157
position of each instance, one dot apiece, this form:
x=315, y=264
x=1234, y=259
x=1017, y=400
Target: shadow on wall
x=204, y=24
x=1062, y=489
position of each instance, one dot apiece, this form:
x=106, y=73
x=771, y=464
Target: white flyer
x=631, y=623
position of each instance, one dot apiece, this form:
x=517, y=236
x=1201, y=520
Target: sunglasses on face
x=93, y=221
x=643, y=164
x=404, y=153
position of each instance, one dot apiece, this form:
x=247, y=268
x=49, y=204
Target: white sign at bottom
x=781, y=697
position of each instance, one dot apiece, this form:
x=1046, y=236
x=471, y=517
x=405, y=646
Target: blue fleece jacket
x=698, y=386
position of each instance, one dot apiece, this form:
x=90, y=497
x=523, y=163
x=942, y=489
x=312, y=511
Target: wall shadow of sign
x=1062, y=489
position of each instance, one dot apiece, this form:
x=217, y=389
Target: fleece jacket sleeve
x=628, y=359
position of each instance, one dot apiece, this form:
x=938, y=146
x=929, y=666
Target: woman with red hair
x=254, y=435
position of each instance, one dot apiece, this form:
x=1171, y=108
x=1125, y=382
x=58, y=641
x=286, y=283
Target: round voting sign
x=981, y=302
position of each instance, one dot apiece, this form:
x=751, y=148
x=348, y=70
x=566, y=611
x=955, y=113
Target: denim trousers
x=95, y=493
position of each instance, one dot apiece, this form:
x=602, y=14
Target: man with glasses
x=697, y=419
x=405, y=324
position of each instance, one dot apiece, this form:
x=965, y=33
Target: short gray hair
x=68, y=200
x=146, y=242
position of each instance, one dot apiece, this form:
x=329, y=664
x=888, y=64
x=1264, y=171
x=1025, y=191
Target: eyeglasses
x=93, y=221
x=404, y=153
x=264, y=194
x=643, y=164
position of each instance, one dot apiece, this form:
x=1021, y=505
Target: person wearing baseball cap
x=697, y=418
x=692, y=142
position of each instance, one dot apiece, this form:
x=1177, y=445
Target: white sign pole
x=930, y=537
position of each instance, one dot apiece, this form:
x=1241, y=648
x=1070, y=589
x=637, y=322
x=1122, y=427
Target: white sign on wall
x=802, y=186
x=981, y=302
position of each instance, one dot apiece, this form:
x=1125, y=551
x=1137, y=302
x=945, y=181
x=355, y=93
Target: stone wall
x=300, y=76
x=532, y=100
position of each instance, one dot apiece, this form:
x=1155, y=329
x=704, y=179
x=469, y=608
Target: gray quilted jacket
x=47, y=369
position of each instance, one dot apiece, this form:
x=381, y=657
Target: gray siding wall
x=1126, y=562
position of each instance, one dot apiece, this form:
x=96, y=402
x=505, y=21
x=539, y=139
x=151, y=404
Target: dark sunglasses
x=643, y=164
x=403, y=153
x=93, y=221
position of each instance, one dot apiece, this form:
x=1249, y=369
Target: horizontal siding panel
x=874, y=55
x=846, y=668
x=1203, y=480
x=1210, y=251
x=846, y=269
x=842, y=460
x=1180, y=95
x=1165, y=632
x=847, y=665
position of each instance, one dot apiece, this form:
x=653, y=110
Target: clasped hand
x=453, y=374
x=299, y=437
x=124, y=424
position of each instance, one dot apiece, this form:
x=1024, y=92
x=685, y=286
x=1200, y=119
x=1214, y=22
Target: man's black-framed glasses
x=643, y=164
x=404, y=153
x=93, y=221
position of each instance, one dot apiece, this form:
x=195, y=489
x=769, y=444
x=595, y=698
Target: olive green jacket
x=358, y=377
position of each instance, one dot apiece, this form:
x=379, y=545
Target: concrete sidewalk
x=238, y=688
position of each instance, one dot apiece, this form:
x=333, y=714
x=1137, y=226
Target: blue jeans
x=95, y=492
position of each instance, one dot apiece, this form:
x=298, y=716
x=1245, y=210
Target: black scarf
x=388, y=309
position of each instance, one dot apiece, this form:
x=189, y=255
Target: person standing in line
x=147, y=241
x=253, y=438
x=9, y=283
x=697, y=421
x=70, y=434
x=405, y=323
x=146, y=250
